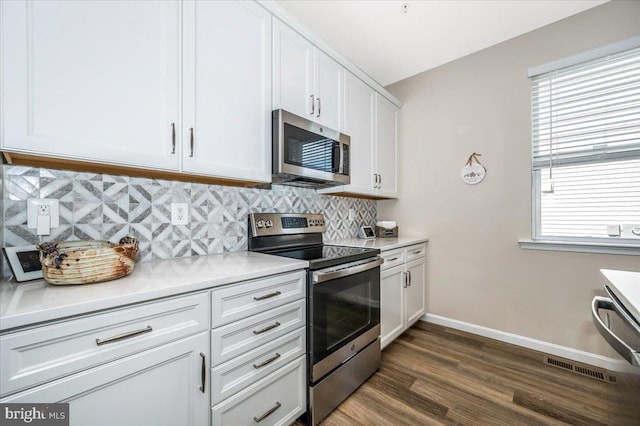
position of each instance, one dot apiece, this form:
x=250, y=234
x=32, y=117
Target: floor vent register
x=584, y=370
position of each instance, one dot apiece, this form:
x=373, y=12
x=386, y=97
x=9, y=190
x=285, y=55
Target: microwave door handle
x=319, y=277
x=337, y=158
x=628, y=353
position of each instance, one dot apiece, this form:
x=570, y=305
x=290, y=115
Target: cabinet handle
x=123, y=336
x=268, y=413
x=313, y=105
x=203, y=372
x=267, y=362
x=191, y=141
x=268, y=296
x=409, y=275
x=319, y=108
x=277, y=324
x=173, y=138
x=391, y=260
x=404, y=280
x=417, y=252
x=380, y=183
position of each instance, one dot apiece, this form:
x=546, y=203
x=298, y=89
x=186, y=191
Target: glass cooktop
x=324, y=256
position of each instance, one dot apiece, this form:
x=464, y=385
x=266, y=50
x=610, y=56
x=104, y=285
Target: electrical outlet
x=179, y=214
x=43, y=210
x=352, y=214
x=43, y=207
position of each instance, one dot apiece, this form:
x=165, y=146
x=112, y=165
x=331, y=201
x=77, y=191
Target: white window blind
x=586, y=147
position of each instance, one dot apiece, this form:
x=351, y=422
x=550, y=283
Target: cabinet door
x=92, y=80
x=415, y=303
x=387, y=146
x=328, y=76
x=160, y=386
x=227, y=90
x=292, y=71
x=391, y=304
x=359, y=104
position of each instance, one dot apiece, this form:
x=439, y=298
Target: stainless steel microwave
x=308, y=154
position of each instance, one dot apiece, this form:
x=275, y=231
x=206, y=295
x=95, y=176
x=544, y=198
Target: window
x=586, y=146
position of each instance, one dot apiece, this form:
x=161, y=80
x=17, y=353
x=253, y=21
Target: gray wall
x=100, y=206
x=476, y=271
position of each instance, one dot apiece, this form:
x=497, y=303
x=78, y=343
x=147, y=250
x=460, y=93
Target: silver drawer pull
x=417, y=252
x=277, y=324
x=267, y=296
x=203, y=372
x=391, y=260
x=173, y=138
x=126, y=335
x=268, y=413
x=267, y=362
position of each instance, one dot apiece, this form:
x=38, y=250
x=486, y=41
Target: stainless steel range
x=343, y=305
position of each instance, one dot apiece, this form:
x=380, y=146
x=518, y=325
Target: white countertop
x=383, y=244
x=36, y=301
x=626, y=286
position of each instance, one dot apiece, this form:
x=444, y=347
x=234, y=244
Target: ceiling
x=391, y=45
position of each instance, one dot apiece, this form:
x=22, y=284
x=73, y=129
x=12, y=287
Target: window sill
x=581, y=247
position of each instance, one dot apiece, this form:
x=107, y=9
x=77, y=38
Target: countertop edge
x=626, y=286
x=384, y=244
x=13, y=322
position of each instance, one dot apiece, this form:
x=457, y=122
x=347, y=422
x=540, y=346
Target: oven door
x=344, y=313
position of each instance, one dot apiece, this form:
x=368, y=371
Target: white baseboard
x=607, y=363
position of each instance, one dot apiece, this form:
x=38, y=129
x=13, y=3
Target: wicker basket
x=89, y=261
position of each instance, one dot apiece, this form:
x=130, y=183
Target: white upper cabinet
x=371, y=121
x=94, y=81
x=386, y=135
x=328, y=76
x=359, y=102
x=227, y=90
x=306, y=81
x=292, y=71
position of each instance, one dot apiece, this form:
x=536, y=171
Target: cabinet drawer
x=278, y=399
x=44, y=353
x=415, y=252
x=158, y=387
x=235, y=302
x=237, y=374
x=241, y=336
x=392, y=258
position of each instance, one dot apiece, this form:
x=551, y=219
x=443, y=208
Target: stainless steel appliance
x=617, y=318
x=308, y=154
x=343, y=305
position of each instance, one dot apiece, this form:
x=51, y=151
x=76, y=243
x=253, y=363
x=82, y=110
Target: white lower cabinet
x=160, y=386
x=392, y=312
x=278, y=399
x=258, y=347
x=402, y=290
x=237, y=352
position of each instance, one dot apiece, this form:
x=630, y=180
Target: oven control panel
x=262, y=224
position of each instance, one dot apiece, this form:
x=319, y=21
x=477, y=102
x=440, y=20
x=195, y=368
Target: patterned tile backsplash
x=98, y=206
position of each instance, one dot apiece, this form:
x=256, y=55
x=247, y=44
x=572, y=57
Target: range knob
x=260, y=224
x=268, y=223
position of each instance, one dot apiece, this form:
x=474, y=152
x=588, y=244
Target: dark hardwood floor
x=432, y=375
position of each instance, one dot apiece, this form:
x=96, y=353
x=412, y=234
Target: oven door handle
x=627, y=352
x=319, y=277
